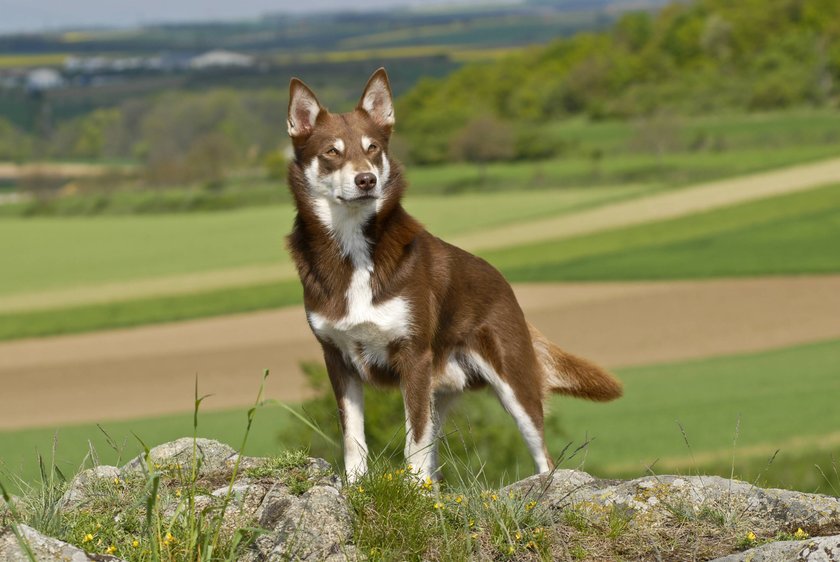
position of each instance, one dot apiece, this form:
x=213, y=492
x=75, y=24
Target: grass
x=709, y=399
x=789, y=234
x=43, y=254
x=123, y=314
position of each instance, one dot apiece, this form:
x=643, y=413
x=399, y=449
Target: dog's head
x=343, y=157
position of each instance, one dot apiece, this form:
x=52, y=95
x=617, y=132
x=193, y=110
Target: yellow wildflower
x=169, y=538
x=388, y=476
x=360, y=489
x=111, y=549
x=459, y=499
x=800, y=534
x=438, y=505
x=427, y=483
x=531, y=505
x=88, y=538
x=510, y=494
x=538, y=531
x=178, y=493
x=116, y=481
x=472, y=523
x=531, y=545
x=135, y=543
x=751, y=536
x=511, y=549
x=494, y=497
x=518, y=536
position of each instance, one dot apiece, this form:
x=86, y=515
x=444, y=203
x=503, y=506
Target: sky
x=43, y=15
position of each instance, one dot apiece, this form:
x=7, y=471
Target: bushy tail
x=568, y=374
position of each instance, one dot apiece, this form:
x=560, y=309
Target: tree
x=484, y=139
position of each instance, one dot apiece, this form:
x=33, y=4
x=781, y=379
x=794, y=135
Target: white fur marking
x=532, y=436
x=420, y=449
x=453, y=378
x=364, y=333
x=339, y=145
x=355, y=446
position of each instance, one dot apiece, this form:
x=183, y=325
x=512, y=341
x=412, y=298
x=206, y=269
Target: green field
x=790, y=234
x=52, y=253
x=770, y=398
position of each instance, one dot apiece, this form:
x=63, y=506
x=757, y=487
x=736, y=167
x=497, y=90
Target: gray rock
x=44, y=549
x=659, y=496
x=817, y=549
x=211, y=455
x=314, y=526
x=85, y=483
x=275, y=503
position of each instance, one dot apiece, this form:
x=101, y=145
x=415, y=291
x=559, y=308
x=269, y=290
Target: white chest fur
x=365, y=331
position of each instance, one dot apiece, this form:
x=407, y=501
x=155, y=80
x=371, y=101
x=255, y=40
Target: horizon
x=53, y=16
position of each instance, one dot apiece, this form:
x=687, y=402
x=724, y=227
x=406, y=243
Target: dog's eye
x=373, y=148
x=333, y=151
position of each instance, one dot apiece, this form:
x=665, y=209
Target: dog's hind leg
x=525, y=405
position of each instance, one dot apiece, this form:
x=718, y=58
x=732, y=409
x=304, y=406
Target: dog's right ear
x=303, y=109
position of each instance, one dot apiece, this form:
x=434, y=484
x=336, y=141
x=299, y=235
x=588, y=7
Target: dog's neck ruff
x=346, y=225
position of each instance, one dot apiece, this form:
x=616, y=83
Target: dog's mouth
x=359, y=199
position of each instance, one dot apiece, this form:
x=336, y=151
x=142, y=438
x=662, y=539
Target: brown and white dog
x=393, y=305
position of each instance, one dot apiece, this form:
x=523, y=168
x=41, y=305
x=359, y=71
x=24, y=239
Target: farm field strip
x=247, y=232
x=103, y=259
x=137, y=371
x=784, y=235
x=661, y=206
x=711, y=399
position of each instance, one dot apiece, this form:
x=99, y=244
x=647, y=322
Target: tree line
x=687, y=59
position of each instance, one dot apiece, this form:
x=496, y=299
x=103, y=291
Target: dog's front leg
x=420, y=434
x=350, y=398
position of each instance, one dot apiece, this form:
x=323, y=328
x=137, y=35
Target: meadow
x=716, y=416
x=788, y=234
x=52, y=253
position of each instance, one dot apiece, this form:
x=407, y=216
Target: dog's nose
x=365, y=181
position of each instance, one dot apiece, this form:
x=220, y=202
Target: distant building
x=221, y=58
x=41, y=79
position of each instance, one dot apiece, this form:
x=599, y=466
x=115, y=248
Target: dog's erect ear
x=377, y=101
x=303, y=109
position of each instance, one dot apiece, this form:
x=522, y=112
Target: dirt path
x=660, y=206
x=150, y=370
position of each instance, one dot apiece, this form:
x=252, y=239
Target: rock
x=314, y=526
x=657, y=498
x=85, y=483
x=211, y=455
x=817, y=549
x=44, y=549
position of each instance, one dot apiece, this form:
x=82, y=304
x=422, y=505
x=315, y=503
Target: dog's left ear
x=377, y=100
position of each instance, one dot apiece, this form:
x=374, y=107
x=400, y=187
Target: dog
x=393, y=305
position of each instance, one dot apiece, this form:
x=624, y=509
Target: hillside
x=689, y=58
